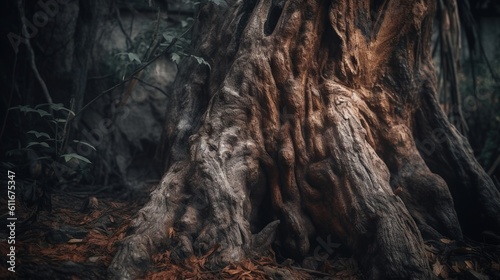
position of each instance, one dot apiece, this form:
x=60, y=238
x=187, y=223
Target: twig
x=100, y=77
x=494, y=166
x=155, y=39
x=120, y=24
x=66, y=129
x=131, y=76
x=152, y=47
x=32, y=53
x=151, y=85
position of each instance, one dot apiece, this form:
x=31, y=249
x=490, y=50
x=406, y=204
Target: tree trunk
x=90, y=13
x=315, y=117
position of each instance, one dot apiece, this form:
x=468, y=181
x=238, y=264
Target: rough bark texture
x=320, y=115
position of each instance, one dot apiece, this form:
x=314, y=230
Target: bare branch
x=32, y=53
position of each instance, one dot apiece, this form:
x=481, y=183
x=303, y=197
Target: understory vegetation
x=77, y=87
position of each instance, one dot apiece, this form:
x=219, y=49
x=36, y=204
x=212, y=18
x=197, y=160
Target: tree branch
x=151, y=85
x=120, y=24
x=132, y=76
x=32, y=53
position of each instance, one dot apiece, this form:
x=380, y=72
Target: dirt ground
x=78, y=238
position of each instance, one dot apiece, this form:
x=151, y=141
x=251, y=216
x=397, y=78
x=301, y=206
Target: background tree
x=79, y=51
x=321, y=115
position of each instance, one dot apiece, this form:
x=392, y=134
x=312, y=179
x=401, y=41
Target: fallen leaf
x=75, y=240
x=437, y=268
x=469, y=264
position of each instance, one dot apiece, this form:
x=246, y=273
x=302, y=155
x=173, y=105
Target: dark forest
x=260, y=139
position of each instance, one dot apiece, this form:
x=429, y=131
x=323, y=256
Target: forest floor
x=78, y=238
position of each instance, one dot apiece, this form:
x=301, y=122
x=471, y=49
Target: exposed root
x=306, y=124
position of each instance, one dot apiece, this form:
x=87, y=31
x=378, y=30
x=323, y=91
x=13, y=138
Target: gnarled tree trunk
x=315, y=117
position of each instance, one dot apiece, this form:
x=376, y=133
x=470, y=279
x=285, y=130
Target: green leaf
x=23, y=108
x=218, y=2
x=54, y=106
x=58, y=106
x=184, y=41
x=42, y=113
x=38, y=143
x=39, y=134
x=86, y=144
x=200, y=60
x=176, y=58
x=16, y=107
x=68, y=157
x=41, y=105
x=133, y=56
x=168, y=37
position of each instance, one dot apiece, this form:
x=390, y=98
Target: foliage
x=44, y=154
x=179, y=50
x=155, y=40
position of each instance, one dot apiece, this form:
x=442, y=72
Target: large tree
x=315, y=117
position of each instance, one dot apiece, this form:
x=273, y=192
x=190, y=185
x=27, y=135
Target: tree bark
x=90, y=13
x=315, y=117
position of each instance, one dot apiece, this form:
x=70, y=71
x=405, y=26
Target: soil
x=78, y=238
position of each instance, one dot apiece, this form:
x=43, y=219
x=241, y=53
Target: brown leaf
x=75, y=240
x=445, y=240
x=437, y=268
x=469, y=264
x=232, y=271
x=171, y=232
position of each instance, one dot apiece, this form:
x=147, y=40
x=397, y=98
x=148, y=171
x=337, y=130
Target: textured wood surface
x=319, y=115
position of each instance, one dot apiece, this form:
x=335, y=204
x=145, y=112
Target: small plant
x=179, y=49
x=159, y=39
x=44, y=155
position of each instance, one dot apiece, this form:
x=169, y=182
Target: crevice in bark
x=273, y=16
